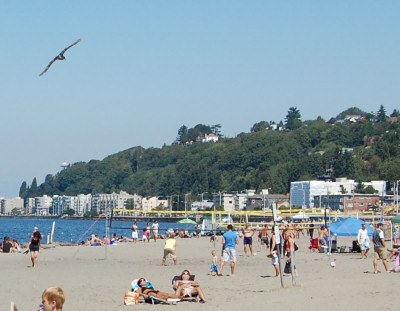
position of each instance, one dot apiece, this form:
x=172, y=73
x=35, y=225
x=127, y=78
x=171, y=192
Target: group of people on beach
x=184, y=286
x=33, y=246
x=10, y=247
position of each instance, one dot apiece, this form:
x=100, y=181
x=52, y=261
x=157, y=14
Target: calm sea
x=73, y=231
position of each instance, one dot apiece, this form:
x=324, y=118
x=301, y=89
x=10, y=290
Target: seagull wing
x=76, y=42
x=48, y=66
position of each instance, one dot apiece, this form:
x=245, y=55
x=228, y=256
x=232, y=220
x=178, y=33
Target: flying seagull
x=60, y=56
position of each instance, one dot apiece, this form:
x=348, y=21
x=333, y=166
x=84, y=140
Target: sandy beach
x=91, y=282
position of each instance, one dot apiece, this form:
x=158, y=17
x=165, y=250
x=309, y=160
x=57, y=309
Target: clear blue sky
x=145, y=68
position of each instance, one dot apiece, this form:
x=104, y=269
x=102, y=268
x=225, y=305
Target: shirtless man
x=248, y=233
x=264, y=237
x=322, y=235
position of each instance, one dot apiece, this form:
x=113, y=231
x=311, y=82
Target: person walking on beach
x=34, y=246
x=378, y=239
x=170, y=249
x=363, y=241
x=229, y=241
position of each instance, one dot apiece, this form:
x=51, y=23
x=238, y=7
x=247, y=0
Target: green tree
x=130, y=204
x=381, y=115
x=14, y=211
x=182, y=134
x=343, y=165
x=33, y=190
x=395, y=113
x=293, y=120
x=23, y=190
x=259, y=127
x=69, y=212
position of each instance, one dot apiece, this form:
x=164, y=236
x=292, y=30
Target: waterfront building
x=82, y=203
x=338, y=194
x=151, y=203
x=60, y=204
x=42, y=205
x=29, y=205
x=8, y=205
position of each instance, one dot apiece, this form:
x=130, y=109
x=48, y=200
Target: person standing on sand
x=322, y=235
x=274, y=254
x=378, y=239
x=154, y=227
x=264, y=237
x=248, y=233
x=170, y=249
x=311, y=229
x=135, y=232
x=229, y=240
x=363, y=241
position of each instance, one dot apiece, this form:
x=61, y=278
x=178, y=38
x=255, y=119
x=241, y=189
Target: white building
x=149, y=204
x=29, y=205
x=42, y=205
x=82, y=203
x=302, y=193
x=210, y=137
x=7, y=205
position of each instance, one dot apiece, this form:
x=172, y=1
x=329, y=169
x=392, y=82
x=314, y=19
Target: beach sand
x=91, y=282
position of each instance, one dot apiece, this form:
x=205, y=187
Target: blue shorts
x=248, y=240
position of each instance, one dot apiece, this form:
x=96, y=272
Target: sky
x=145, y=68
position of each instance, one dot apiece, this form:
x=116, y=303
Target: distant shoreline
x=171, y=219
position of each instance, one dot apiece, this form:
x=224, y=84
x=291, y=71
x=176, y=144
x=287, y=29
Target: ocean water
x=72, y=231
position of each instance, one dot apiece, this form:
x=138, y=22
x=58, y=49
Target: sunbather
x=149, y=291
x=185, y=287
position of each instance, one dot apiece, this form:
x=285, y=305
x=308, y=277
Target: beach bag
x=288, y=268
x=355, y=247
x=131, y=298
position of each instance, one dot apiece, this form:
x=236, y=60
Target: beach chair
x=194, y=298
x=314, y=245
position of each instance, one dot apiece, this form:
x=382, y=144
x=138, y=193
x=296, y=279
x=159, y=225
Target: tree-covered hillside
x=365, y=149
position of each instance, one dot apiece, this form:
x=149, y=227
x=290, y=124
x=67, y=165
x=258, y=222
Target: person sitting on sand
x=7, y=245
x=149, y=291
x=96, y=241
x=16, y=248
x=186, y=287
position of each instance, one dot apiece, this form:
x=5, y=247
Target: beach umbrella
x=349, y=227
x=396, y=220
x=187, y=221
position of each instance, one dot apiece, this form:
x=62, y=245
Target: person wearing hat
x=378, y=239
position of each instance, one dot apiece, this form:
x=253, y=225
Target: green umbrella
x=187, y=221
x=396, y=220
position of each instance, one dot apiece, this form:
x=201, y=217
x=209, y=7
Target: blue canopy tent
x=348, y=227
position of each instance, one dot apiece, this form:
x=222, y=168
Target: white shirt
x=362, y=235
